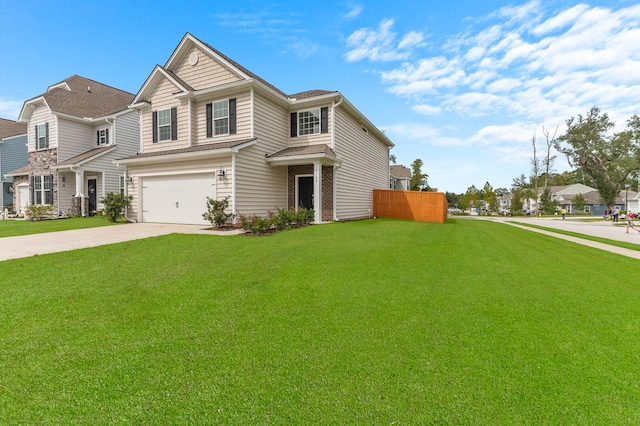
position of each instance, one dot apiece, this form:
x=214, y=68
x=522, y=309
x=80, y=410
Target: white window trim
x=316, y=129
x=214, y=118
x=160, y=126
x=38, y=137
x=42, y=191
x=103, y=136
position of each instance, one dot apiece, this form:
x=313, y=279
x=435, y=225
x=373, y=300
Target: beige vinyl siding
x=206, y=73
x=42, y=115
x=66, y=190
x=223, y=188
x=243, y=120
x=306, y=140
x=132, y=190
x=75, y=138
x=260, y=187
x=365, y=167
x=162, y=98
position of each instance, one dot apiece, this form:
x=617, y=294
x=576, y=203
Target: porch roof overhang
x=303, y=155
x=22, y=171
x=84, y=158
x=212, y=150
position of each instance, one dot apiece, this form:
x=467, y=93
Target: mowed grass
x=371, y=322
x=13, y=228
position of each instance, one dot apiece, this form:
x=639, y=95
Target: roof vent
x=193, y=58
x=89, y=89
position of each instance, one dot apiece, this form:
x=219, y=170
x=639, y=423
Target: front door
x=305, y=192
x=93, y=195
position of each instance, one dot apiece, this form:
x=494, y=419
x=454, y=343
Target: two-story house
x=76, y=129
x=399, y=177
x=13, y=155
x=211, y=128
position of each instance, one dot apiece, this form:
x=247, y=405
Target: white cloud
x=380, y=45
x=354, y=12
x=10, y=109
x=425, y=109
x=563, y=19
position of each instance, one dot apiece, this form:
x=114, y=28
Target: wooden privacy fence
x=412, y=205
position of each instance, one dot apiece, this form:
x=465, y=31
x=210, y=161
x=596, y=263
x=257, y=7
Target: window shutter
x=324, y=120
x=174, y=123
x=33, y=190
x=154, y=126
x=294, y=124
x=49, y=193
x=36, y=133
x=209, y=120
x=106, y=136
x=232, y=116
x=97, y=137
x=46, y=137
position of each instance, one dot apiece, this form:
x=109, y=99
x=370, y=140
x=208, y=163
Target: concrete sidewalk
x=51, y=242
x=600, y=229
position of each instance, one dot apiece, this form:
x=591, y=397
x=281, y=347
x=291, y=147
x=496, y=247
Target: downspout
x=233, y=186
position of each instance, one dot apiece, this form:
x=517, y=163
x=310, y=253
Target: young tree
x=418, y=179
x=535, y=163
x=529, y=194
x=547, y=204
x=549, y=159
x=491, y=198
x=392, y=159
x=471, y=198
x=607, y=159
x=579, y=201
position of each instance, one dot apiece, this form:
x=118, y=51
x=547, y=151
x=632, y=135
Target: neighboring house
x=211, y=128
x=399, y=177
x=13, y=155
x=75, y=131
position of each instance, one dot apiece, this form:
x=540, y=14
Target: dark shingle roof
x=400, y=172
x=11, y=128
x=95, y=152
x=86, y=98
x=196, y=148
x=310, y=94
x=303, y=150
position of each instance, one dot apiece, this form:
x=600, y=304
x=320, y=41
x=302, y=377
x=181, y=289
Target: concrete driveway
x=51, y=242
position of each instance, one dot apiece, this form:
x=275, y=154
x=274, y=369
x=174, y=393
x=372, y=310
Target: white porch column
x=317, y=191
x=80, y=190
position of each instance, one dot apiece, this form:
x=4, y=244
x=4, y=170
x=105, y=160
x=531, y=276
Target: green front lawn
x=371, y=322
x=12, y=228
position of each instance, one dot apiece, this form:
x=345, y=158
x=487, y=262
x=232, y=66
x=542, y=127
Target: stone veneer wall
x=327, y=188
x=40, y=163
x=16, y=181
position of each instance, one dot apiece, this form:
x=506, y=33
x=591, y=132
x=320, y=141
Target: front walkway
x=51, y=242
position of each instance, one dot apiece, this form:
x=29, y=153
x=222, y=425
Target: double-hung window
x=121, y=185
x=221, y=117
x=42, y=140
x=309, y=122
x=164, y=125
x=42, y=189
x=103, y=137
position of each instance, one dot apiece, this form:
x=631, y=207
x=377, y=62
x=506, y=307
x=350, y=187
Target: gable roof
x=85, y=157
x=400, y=172
x=80, y=97
x=10, y=128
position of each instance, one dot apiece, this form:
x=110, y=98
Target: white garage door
x=177, y=199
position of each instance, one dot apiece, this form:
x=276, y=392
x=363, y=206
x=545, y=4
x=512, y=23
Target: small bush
x=40, y=211
x=216, y=214
x=114, y=205
x=284, y=219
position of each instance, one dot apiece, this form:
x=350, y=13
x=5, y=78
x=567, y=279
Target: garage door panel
x=177, y=199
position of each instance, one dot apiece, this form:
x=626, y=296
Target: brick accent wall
x=327, y=188
x=40, y=163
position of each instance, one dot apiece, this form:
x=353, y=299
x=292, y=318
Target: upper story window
x=221, y=117
x=102, y=137
x=165, y=124
x=310, y=122
x=42, y=136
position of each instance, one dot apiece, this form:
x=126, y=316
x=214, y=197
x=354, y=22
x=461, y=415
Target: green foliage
x=216, y=212
x=607, y=159
x=418, y=179
x=114, y=205
x=579, y=202
x=490, y=198
x=40, y=211
x=284, y=219
x=470, y=199
x=547, y=204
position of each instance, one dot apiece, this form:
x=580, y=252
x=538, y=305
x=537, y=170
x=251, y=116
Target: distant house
x=13, y=155
x=75, y=131
x=399, y=177
x=212, y=128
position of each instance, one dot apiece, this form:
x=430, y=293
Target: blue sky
x=462, y=85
